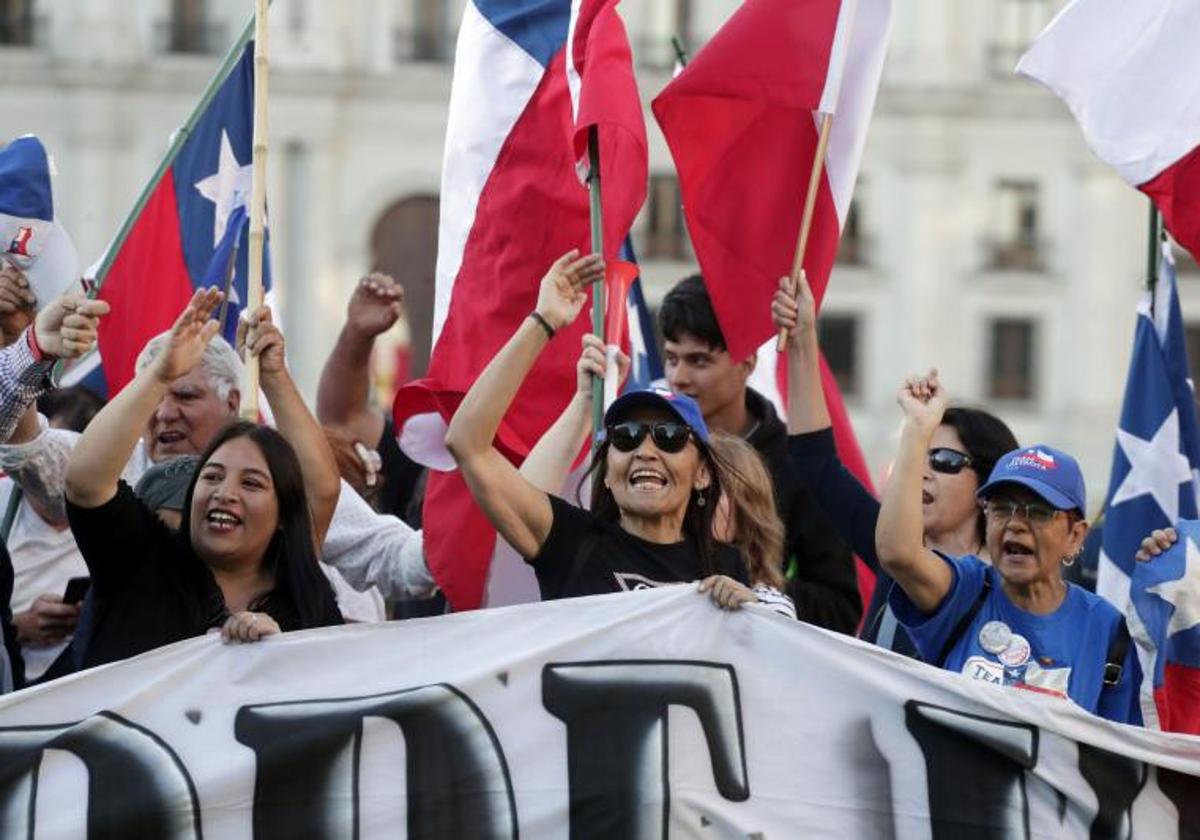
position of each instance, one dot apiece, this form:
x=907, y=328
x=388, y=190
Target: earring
x=1069, y=559
x=700, y=500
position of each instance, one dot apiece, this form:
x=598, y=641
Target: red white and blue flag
x=512, y=203
x=1152, y=485
x=192, y=223
x=1130, y=73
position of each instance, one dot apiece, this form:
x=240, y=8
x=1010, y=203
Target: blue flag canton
x=212, y=175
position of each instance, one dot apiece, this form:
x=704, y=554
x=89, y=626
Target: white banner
x=640, y=715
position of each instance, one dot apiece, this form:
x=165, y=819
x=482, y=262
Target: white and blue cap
x=30, y=237
x=681, y=405
x=1051, y=473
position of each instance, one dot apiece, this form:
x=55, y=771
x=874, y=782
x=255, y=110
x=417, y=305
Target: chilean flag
x=1130, y=73
x=189, y=228
x=512, y=203
x=741, y=120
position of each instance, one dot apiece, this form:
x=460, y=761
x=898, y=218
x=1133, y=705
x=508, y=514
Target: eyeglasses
x=1035, y=513
x=669, y=436
x=948, y=461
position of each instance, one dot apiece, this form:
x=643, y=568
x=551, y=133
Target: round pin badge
x=995, y=636
x=1017, y=652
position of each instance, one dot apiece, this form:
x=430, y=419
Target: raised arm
x=899, y=535
x=322, y=484
x=518, y=510
x=807, y=411
x=342, y=395
x=102, y=451
x=549, y=462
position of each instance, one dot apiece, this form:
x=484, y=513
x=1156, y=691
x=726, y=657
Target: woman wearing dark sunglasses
x=1015, y=622
x=654, y=480
x=962, y=452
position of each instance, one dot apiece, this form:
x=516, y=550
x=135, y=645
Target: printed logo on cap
x=1033, y=459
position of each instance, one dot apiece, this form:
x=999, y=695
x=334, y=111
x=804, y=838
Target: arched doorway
x=404, y=245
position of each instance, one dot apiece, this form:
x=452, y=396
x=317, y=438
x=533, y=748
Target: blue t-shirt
x=1062, y=653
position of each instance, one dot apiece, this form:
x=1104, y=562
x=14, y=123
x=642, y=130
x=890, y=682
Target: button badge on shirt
x=995, y=636
x=1017, y=652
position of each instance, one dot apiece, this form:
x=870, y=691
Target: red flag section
x=1176, y=193
x=739, y=122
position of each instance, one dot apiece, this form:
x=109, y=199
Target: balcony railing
x=1023, y=254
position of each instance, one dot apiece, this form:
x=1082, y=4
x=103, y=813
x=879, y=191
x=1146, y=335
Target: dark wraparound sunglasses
x=668, y=436
x=948, y=461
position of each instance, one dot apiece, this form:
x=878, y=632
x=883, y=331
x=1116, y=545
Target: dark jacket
x=824, y=585
x=853, y=511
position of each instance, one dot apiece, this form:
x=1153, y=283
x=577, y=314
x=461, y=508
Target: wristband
x=34, y=348
x=537, y=316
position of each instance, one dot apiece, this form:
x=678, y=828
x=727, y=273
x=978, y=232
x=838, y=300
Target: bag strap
x=1114, y=662
x=10, y=513
x=964, y=623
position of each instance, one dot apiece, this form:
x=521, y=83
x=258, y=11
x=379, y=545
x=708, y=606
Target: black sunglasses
x=948, y=461
x=669, y=436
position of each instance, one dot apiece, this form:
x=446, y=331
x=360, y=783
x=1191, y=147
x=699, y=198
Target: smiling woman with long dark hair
x=244, y=559
x=655, y=480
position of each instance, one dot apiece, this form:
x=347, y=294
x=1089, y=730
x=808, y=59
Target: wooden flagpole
x=258, y=200
x=810, y=203
x=597, y=220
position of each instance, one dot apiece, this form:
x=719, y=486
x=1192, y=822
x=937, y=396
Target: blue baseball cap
x=1051, y=473
x=681, y=405
x=30, y=236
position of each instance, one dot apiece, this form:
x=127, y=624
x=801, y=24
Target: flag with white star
x=1153, y=483
x=192, y=229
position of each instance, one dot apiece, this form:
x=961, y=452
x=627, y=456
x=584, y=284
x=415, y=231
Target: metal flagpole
x=1153, y=253
x=258, y=200
x=597, y=220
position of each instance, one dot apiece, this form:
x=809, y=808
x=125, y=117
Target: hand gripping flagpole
x=810, y=204
x=258, y=201
x=597, y=220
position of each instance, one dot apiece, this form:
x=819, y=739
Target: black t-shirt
x=149, y=589
x=582, y=556
x=403, y=479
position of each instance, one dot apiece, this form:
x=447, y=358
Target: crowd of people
x=160, y=516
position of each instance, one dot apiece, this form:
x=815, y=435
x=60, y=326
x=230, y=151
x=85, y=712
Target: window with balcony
x=1015, y=24
x=1012, y=359
x=665, y=236
x=839, y=337
x=1016, y=243
x=16, y=23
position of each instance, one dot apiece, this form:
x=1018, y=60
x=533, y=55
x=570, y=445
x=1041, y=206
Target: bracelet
x=34, y=348
x=537, y=316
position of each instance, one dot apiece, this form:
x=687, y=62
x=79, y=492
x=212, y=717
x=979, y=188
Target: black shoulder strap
x=964, y=623
x=1118, y=649
x=10, y=513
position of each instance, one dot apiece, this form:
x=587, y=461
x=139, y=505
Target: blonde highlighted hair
x=753, y=525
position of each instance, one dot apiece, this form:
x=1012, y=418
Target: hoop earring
x=1069, y=560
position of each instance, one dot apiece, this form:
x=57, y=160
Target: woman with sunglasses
x=962, y=452
x=654, y=480
x=1015, y=622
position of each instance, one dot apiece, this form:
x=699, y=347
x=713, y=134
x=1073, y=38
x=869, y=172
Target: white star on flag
x=1156, y=466
x=1183, y=593
x=227, y=188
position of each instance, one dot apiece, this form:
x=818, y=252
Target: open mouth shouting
x=645, y=479
x=1013, y=551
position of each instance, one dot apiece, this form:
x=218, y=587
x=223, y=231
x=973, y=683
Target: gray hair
x=219, y=360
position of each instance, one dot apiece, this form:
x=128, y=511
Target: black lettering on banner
x=137, y=786
x=1184, y=791
x=616, y=718
x=306, y=784
x=1116, y=781
x=976, y=771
